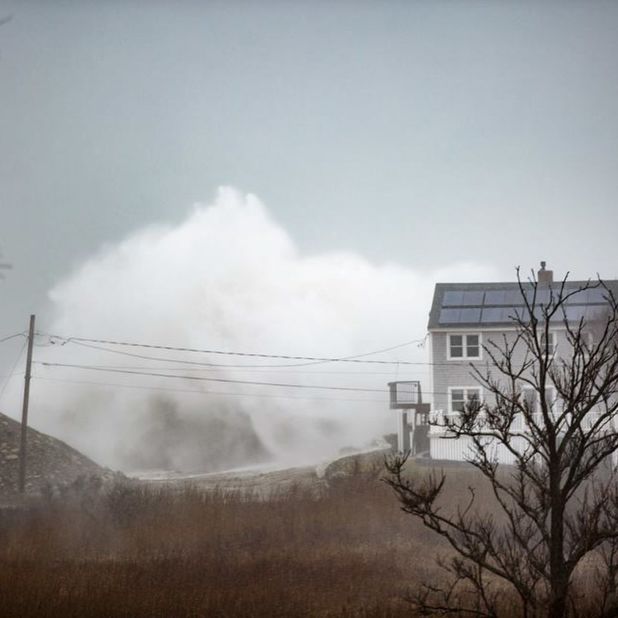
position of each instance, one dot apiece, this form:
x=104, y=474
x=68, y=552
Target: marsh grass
x=342, y=550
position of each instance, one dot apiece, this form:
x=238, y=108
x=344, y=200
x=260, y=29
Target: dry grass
x=136, y=551
x=344, y=550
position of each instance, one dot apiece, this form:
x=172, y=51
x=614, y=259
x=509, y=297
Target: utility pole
x=24, y=410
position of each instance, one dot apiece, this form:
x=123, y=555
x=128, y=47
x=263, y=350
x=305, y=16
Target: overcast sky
x=423, y=133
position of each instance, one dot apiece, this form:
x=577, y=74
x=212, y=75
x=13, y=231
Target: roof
x=490, y=305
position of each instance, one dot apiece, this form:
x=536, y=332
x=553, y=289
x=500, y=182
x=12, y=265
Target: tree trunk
x=558, y=604
x=559, y=577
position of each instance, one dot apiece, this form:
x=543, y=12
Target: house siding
x=457, y=373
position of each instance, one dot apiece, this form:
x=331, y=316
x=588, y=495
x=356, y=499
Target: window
x=551, y=343
x=461, y=347
x=462, y=396
x=587, y=343
x=531, y=398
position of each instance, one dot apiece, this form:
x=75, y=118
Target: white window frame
x=464, y=340
x=555, y=399
x=554, y=342
x=465, y=390
x=588, y=341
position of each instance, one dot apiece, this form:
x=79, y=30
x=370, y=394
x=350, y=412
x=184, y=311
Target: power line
x=223, y=365
x=182, y=390
x=12, y=371
x=357, y=358
x=12, y=337
x=10, y=375
x=208, y=392
x=254, y=370
x=224, y=380
x=245, y=366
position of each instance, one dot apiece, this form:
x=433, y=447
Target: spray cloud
x=229, y=278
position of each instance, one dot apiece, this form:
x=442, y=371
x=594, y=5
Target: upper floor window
x=551, y=343
x=464, y=347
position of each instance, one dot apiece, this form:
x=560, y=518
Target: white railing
x=440, y=420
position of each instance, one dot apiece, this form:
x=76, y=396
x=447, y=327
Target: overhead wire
x=12, y=371
x=234, y=366
x=194, y=365
x=245, y=366
x=210, y=379
x=205, y=392
x=311, y=360
x=257, y=370
x=148, y=387
x=22, y=334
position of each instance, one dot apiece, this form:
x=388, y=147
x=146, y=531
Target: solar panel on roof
x=452, y=298
x=465, y=315
x=496, y=314
x=491, y=314
x=513, y=297
x=598, y=295
x=503, y=298
x=473, y=297
x=596, y=312
x=575, y=313
x=449, y=316
x=516, y=313
x=495, y=306
x=470, y=315
x=465, y=298
x=542, y=296
x=523, y=313
x=494, y=297
x=576, y=297
x=586, y=297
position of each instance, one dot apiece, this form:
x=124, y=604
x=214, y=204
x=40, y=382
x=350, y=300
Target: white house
x=466, y=316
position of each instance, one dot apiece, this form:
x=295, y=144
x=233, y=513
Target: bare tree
x=556, y=502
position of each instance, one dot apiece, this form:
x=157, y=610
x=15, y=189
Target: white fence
x=446, y=448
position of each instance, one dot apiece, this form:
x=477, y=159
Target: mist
x=230, y=278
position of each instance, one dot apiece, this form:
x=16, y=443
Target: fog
x=227, y=278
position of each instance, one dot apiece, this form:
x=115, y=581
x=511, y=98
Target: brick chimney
x=545, y=276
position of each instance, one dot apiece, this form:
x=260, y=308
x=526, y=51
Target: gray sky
x=420, y=133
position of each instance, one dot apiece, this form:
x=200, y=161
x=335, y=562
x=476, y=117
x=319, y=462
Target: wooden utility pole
x=24, y=410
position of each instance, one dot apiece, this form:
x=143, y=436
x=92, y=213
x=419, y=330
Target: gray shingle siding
x=457, y=373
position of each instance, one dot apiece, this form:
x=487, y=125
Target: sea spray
x=227, y=278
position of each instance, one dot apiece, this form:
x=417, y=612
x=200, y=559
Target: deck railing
x=440, y=419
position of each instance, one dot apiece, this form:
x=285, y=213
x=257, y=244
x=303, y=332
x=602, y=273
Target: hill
x=49, y=460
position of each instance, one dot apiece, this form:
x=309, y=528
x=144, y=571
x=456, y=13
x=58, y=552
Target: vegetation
x=343, y=550
x=134, y=550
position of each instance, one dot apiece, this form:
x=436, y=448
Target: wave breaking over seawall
x=230, y=278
